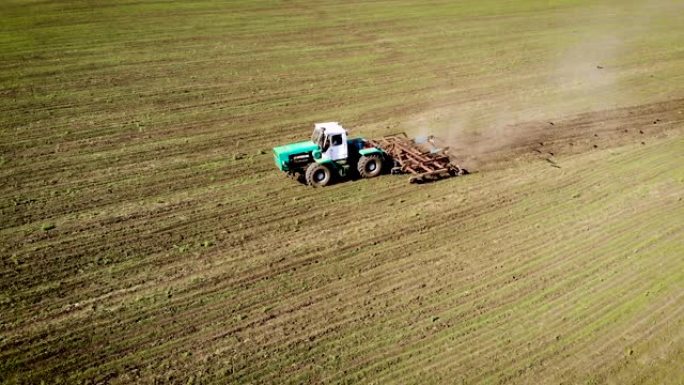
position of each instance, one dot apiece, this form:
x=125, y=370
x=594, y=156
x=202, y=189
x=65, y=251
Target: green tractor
x=330, y=154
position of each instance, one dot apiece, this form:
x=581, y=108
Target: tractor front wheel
x=370, y=166
x=318, y=175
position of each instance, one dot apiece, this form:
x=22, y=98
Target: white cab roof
x=331, y=128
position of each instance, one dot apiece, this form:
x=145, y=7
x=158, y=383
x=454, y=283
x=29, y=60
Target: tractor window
x=337, y=140
x=316, y=137
x=326, y=143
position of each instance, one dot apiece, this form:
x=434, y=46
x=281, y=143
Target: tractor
x=331, y=154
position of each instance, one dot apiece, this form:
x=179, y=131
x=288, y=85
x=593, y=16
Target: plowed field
x=147, y=237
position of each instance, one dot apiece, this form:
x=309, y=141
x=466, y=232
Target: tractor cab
x=331, y=139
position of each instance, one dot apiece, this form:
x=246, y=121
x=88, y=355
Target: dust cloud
x=581, y=76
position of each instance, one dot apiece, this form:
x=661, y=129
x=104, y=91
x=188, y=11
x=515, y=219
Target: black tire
x=370, y=166
x=297, y=176
x=318, y=175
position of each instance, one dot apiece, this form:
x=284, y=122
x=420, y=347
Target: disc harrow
x=420, y=157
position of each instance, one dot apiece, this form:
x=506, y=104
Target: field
x=147, y=237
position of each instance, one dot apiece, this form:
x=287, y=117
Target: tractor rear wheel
x=318, y=175
x=370, y=166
